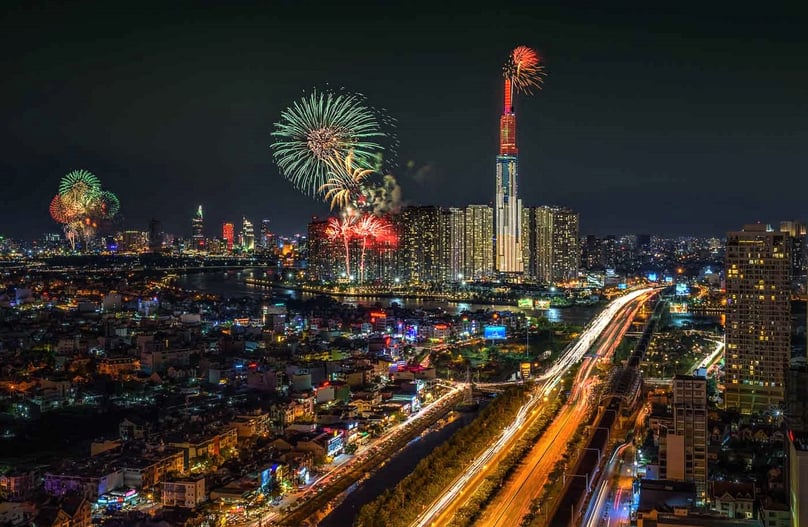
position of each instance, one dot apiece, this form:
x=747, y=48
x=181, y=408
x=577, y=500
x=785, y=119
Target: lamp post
x=585, y=476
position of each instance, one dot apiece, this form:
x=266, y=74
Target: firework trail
x=319, y=130
x=524, y=70
x=343, y=229
x=344, y=183
x=369, y=228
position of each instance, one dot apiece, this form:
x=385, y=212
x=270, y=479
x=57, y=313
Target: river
x=232, y=284
x=396, y=469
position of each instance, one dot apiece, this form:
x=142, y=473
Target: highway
x=515, y=497
x=604, y=328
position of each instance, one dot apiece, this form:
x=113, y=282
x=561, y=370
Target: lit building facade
x=228, y=235
x=197, y=228
x=555, y=256
x=452, y=244
x=420, y=243
x=758, y=318
x=796, y=231
x=688, y=461
x=478, y=236
x=266, y=238
x=324, y=259
x=508, y=208
x=247, y=235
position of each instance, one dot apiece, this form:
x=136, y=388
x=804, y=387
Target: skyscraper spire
x=523, y=72
x=508, y=208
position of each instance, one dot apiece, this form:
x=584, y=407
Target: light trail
x=545, y=384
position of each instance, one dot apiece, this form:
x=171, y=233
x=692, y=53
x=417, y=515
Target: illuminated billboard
x=682, y=289
x=494, y=333
x=542, y=304
x=525, y=303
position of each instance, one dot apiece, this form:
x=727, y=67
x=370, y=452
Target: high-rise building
x=758, y=318
x=557, y=258
x=266, y=240
x=687, y=443
x=197, y=227
x=228, y=234
x=478, y=236
x=508, y=208
x=529, y=241
x=452, y=253
x=155, y=236
x=324, y=261
x=796, y=231
x=247, y=235
x=420, y=241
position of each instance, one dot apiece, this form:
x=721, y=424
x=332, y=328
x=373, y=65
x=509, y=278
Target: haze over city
x=658, y=120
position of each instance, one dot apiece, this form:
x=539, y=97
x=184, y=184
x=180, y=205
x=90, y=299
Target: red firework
x=525, y=58
x=61, y=211
x=524, y=69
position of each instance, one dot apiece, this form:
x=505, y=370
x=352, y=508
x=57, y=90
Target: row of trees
x=485, y=493
x=401, y=505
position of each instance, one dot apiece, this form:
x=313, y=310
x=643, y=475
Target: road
x=601, y=328
x=514, y=499
x=611, y=504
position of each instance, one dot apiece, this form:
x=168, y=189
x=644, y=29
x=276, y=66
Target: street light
x=585, y=476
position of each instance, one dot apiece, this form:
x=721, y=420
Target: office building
x=797, y=235
x=758, y=318
x=247, y=235
x=508, y=208
x=155, y=236
x=228, y=235
x=197, y=228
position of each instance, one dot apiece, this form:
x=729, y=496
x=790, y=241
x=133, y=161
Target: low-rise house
x=186, y=493
x=16, y=485
x=735, y=500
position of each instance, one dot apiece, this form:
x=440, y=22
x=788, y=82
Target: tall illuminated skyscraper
x=228, y=234
x=247, y=235
x=507, y=207
x=758, y=327
x=197, y=227
x=265, y=241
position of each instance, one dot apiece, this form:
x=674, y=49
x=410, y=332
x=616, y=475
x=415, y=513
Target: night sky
x=684, y=120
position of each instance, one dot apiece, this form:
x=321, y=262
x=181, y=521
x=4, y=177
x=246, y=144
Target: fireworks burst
x=524, y=69
x=319, y=130
x=344, y=183
x=81, y=205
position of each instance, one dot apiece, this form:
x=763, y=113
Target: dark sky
x=688, y=119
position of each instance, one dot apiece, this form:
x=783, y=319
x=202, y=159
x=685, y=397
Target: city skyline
x=642, y=106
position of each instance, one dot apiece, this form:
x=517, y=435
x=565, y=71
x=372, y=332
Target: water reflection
x=232, y=284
